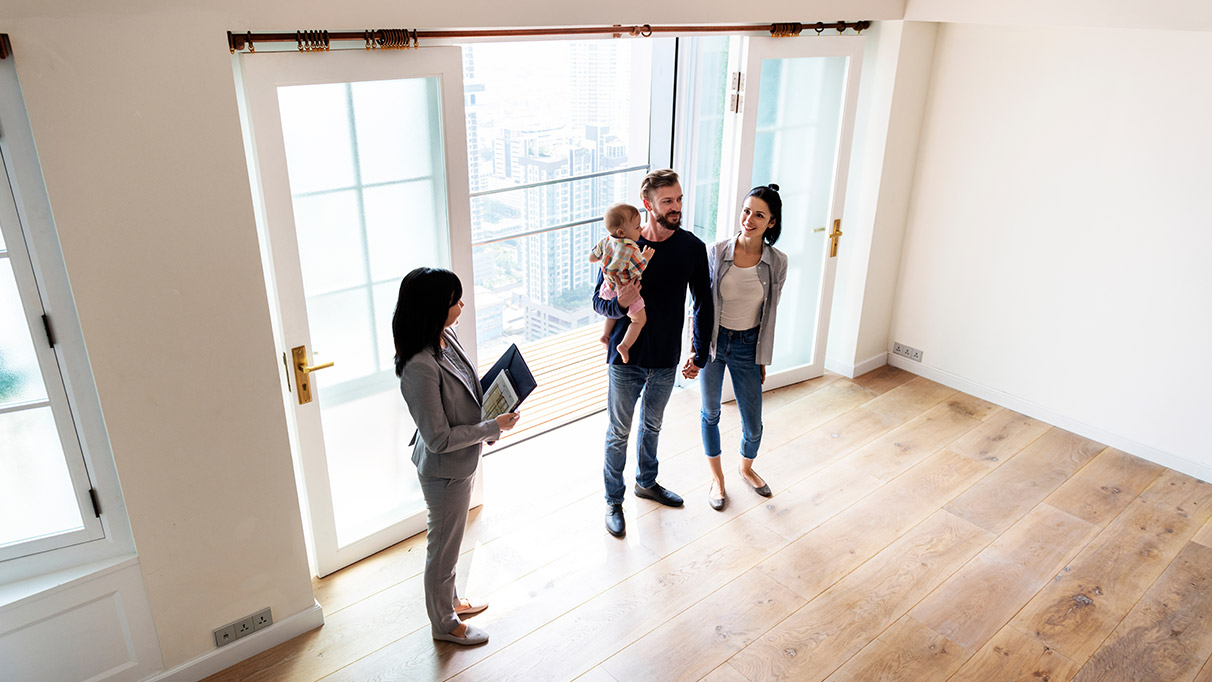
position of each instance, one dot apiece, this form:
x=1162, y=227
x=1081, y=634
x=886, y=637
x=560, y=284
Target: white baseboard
x=262, y=640
x=850, y=371
x=1169, y=460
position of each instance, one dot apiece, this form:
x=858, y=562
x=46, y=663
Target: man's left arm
x=703, y=308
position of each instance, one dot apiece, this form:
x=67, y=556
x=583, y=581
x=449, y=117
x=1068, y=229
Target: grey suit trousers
x=447, y=499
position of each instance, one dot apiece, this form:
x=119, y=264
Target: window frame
x=78, y=413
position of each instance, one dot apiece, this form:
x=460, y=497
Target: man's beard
x=664, y=221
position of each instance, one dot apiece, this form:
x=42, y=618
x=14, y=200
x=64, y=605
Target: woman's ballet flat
x=472, y=609
x=472, y=636
x=717, y=503
x=763, y=489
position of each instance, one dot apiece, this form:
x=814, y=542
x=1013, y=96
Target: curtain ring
x=841, y=27
x=820, y=27
x=299, y=40
x=416, y=44
x=251, y=47
x=646, y=31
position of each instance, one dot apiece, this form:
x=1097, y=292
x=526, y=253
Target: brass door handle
x=304, y=368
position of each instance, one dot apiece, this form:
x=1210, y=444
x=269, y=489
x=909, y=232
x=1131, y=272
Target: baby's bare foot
x=623, y=352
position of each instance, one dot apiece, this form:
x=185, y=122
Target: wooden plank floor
x=916, y=534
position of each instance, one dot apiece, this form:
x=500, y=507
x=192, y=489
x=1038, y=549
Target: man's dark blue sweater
x=680, y=262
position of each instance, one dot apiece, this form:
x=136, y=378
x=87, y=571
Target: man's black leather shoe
x=658, y=494
x=614, y=520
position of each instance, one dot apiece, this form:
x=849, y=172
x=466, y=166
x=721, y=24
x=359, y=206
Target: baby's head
x=623, y=221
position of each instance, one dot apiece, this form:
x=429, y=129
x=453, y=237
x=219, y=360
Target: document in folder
x=507, y=384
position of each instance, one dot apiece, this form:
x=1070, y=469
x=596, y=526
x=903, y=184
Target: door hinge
x=736, y=98
x=734, y=102
x=50, y=335
x=286, y=366
x=92, y=495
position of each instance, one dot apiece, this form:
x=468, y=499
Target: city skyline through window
x=550, y=147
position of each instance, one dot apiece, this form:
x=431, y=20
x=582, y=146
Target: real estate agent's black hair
x=426, y=295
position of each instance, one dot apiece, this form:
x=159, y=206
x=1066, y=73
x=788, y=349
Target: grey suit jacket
x=446, y=410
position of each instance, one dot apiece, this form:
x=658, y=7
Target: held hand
x=690, y=370
x=628, y=293
x=763, y=373
x=508, y=420
x=648, y=252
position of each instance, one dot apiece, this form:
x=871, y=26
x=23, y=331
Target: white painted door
x=361, y=163
x=797, y=106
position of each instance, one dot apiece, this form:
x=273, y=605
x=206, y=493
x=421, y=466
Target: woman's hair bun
x=773, y=186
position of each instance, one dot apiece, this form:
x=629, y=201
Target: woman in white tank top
x=747, y=276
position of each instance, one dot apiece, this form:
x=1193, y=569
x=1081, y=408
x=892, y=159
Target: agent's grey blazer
x=446, y=410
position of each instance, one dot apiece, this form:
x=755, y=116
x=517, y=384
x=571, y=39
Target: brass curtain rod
x=408, y=38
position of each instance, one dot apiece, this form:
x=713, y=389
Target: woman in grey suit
x=443, y=394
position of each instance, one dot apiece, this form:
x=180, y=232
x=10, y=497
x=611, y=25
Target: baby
x=622, y=261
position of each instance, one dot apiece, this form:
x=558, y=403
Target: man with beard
x=680, y=262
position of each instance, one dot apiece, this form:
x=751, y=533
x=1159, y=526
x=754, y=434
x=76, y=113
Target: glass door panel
x=44, y=483
x=797, y=118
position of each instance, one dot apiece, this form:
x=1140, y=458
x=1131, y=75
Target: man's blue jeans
x=627, y=385
x=736, y=351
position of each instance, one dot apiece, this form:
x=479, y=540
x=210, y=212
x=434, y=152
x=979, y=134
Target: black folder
x=518, y=372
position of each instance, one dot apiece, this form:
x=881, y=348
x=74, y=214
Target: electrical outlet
x=225, y=635
x=262, y=619
x=905, y=351
x=244, y=627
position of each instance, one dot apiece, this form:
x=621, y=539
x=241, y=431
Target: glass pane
x=316, y=132
x=20, y=377
x=579, y=108
x=405, y=227
x=342, y=331
x=799, y=122
x=531, y=288
x=388, y=151
x=36, y=496
x=331, y=248
x=371, y=476
x=361, y=226
x=386, y=295
x=710, y=98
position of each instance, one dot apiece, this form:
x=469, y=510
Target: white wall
x=133, y=108
x=896, y=78
x=1174, y=15
x=1057, y=250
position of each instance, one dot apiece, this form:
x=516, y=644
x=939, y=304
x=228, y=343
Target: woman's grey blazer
x=446, y=410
